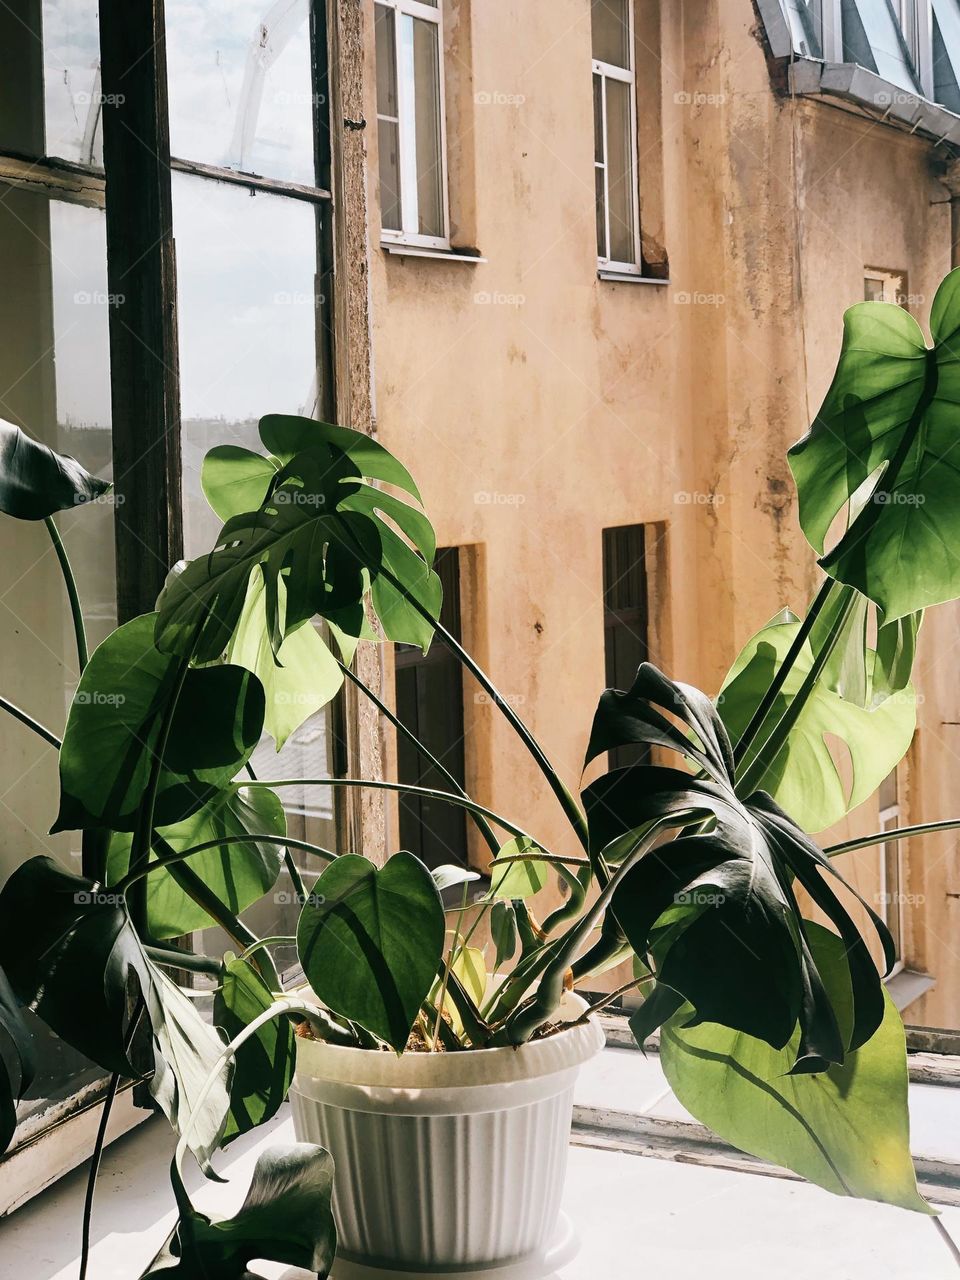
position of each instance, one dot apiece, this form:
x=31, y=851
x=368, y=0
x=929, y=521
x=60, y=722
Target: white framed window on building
x=891, y=866
x=411, y=130
x=615, y=136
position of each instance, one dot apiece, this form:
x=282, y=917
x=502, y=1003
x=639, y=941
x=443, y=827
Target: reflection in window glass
x=426, y=75
x=54, y=382
x=71, y=81
x=388, y=118
x=246, y=276
x=620, y=184
x=241, y=88
x=871, y=37
x=610, y=22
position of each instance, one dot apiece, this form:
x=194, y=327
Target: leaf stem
x=29, y=721
x=451, y=955
x=181, y=855
x=775, y=687
x=895, y=833
x=482, y=825
x=73, y=595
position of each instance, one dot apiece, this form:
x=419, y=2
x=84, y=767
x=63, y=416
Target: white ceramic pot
x=444, y=1161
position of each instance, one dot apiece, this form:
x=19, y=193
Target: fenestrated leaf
x=302, y=678
x=846, y=1130
x=805, y=778
x=891, y=414
x=15, y=1044
x=115, y=722
x=264, y=1064
x=78, y=961
x=35, y=482
x=715, y=906
x=286, y=1217
x=370, y=941
x=239, y=874
x=518, y=879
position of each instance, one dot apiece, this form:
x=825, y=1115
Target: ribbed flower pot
x=444, y=1161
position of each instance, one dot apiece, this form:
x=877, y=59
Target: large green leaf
x=71, y=951
x=735, y=947
x=115, y=723
x=17, y=1061
x=286, y=1217
x=518, y=879
x=892, y=416
x=370, y=940
x=846, y=1130
x=299, y=680
x=805, y=778
x=239, y=874
x=264, y=1064
x=35, y=482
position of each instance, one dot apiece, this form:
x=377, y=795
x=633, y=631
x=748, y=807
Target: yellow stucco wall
x=538, y=405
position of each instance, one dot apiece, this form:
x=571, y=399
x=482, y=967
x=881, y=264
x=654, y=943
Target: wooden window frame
x=625, y=75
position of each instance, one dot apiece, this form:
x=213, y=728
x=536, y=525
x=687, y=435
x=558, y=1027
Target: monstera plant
x=698, y=865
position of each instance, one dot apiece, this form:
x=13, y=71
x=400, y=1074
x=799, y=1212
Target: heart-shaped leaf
x=77, y=962
x=727, y=879
x=846, y=1129
x=239, y=874
x=518, y=879
x=286, y=1217
x=115, y=722
x=264, y=1064
x=889, y=418
x=35, y=482
x=370, y=940
x=805, y=778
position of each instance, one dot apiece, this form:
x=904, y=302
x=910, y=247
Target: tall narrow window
x=615, y=136
x=410, y=122
x=891, y=864
x=430, y=702
x=625, y=618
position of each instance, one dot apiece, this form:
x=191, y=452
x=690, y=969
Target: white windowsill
x=420, y=251
x=907, y=986
x=692, y=1214
x=628, y=277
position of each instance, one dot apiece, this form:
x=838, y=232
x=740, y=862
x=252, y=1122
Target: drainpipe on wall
x=951, y=180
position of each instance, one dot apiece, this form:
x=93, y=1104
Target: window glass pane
x=620, y=181
x=805, y=22
x=388, y=130
x=71, y=79
x=946, y=37
x=241, y=87
x=426, y=64
x=246, y=279
x=611, y=31
x=871, y=37
x=598, y=170
x=872, y=289
x=54, y=382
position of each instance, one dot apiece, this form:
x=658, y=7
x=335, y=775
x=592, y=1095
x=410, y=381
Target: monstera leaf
x=35, y=482
x=736, y=946
x=318, y=528
x=804, y=778
x=286, y=1218
x=116, y=720
x=891, y=419
x=263, y=1064
x=78, y=961
x=370, y=940
x=846, y=1130
x=239, y=874
x=15, y=1044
